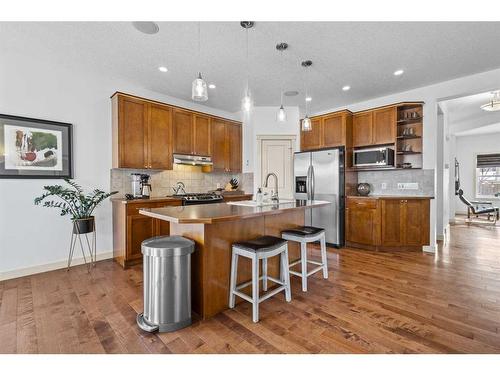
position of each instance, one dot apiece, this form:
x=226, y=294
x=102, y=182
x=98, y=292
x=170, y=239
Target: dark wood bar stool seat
x=259, y=248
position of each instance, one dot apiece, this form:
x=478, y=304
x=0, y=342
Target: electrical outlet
x=384, y=185
x=408, y=185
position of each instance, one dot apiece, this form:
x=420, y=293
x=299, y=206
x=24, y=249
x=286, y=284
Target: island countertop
x=219, y=212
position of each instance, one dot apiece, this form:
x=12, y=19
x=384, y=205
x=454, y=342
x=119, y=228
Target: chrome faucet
x=274, y=193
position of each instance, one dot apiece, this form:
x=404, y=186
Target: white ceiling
x=488, y=129
x=360, y=54
x=466, y=117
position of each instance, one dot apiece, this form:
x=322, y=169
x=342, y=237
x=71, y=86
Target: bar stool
x=305, y=235
x=260, y=248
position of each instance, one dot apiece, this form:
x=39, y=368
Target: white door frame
x=270, y=137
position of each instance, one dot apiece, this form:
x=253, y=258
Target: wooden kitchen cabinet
x=218, y=131
x=130, y=119
x=201, y=144
x=183, y=131
x=331, y=130
x=362, y=221
x=362, y=128
x=384, y=126
x=387, y=223
x=226, y=144
x=191, y=133
x=392, y=222
x=374, y=127
x=159, y=136
x=146, y=133
x=311, y=140
x=234, y=149
x=130, y=228
x=141, y=134
x=405, y=222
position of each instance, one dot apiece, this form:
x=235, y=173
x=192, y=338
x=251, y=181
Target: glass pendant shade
x=306, y=124
x=199, y=90
x=246, y=103
x=281, y=115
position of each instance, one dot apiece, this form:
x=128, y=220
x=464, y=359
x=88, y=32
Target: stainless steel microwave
x=374, y=157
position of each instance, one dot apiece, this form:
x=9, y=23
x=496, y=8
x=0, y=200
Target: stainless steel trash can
x=167, y=283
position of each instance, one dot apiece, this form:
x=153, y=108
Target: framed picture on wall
x=34, y=148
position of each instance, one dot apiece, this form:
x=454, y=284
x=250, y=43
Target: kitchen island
x=214, y=228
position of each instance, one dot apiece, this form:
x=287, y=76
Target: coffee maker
x=136, y=185
x=145, y=186
x=141, y=188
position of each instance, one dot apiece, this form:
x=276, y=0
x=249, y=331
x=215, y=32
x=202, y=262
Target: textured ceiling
x=360, y=54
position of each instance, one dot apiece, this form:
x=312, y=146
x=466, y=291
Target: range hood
x=192, y=159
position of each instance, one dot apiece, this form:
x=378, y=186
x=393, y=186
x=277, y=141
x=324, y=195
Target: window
x=488, y=175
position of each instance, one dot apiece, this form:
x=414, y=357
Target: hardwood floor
x=372, y=303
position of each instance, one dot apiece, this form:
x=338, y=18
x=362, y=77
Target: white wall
x=466, y=149
x=32, y=236
x=431, y=95
x=263, y=122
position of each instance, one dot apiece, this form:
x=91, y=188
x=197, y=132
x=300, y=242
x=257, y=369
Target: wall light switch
x=383, y=185
x=408, y=185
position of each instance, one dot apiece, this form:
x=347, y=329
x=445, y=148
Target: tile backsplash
x=386, y=182
x=162, y=181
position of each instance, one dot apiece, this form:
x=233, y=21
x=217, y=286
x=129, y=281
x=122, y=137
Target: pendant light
x=281, y=115
x=246, y=102
x=306, y=121
x=199, y=90
x=493, y=104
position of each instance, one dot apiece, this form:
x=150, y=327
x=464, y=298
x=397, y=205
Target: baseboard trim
x=429, y=248
x=445, y=236
x=13, y=274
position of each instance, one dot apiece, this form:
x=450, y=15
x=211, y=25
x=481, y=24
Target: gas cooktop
x=199, y=198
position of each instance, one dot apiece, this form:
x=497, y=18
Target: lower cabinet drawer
x=361, y=202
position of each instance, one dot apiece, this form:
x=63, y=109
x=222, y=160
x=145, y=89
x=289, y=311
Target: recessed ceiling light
x=399, y=72
x=308, y=99
x=211, y=86
x=346, y=88
x=163, y=69
x=146, y=27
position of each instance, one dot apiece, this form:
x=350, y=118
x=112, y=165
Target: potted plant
x=73, y=201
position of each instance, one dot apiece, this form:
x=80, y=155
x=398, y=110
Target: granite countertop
x=390, y=196
x=217, y=212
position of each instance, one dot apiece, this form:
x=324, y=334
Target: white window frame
x=476, y=176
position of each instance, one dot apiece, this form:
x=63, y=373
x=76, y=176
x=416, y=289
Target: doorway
x=276, y=156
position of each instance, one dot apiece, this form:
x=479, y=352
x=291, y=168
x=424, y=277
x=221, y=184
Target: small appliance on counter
x=145, y=186
x=136, y=186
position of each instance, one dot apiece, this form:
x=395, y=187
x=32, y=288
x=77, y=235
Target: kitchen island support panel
x=211, y=262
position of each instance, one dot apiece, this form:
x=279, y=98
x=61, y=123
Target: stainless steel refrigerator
x=319, y=175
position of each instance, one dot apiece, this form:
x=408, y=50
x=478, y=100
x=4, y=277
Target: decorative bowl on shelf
x=363, y=189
